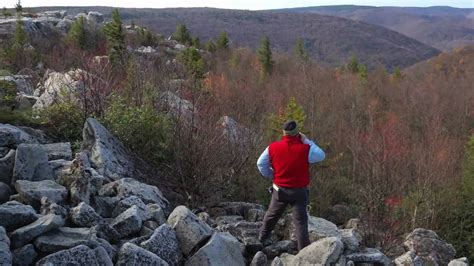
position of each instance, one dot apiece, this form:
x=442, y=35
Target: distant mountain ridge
x=442, y=27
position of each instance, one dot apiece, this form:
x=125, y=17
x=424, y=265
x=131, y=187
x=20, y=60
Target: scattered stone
x=205, y=217
x=63, y=238
x=322, y=252
x=165, y=244
x=84, y=215
x=247, y=233
x=351, y=239
x=25, y=234
x=157, y=213
x=104, y=206
x=95, y=17
x=31, y=163
x=287, y=259
x=14, y=215
x=459, y=262
x=426, y=243
x=107, y=154
x=340, y=214
x=5, y=193
x=221, y=249
x=369, y=255
x=49, y=207
x=58, y=151
x=60, y=167
x=255, y=215
x=111, y=250
x=105, y=231
x=131, y=254
x=130, y=187
x=128, y=202
x=31, y=192
x=11, y=136
x=5, y=254
x=151, y=224
x=409, y=258
x=24, y=256
x=128, y=223
x=260, y=259
x=80, y=255
x=7, y=163
x=190, y=230
x=276, y=249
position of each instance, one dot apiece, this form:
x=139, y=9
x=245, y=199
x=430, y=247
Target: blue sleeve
x=316, y=154
x=264, y=165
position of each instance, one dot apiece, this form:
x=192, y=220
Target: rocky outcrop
x=63, y=238
x=221, y=249
x=31, y=163
x=32, y=192
x=14, y=215
x=5, y=192
x=165, y=244
x=24, y=256
x=325, y=251
x=84, y=215
x=7, y=162
x=5, y=253
x=25, y=234
x=80, y=255
x=131, y=254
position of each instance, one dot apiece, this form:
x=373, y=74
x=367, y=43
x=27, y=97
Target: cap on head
x=290, y=128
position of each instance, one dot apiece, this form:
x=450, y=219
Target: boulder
x=128, y=223
x=339, y=214
x=247, y=233
x=351, y=239
x=205, y=217
x=60, y=167
x=107, y=154
x=409, y=258
x=63, y=238
x=11, y=136
x=25, y=234
x=7, y=163
x=31, y=163
x=319, y=228
x=5, y=193
x=105, y=231
x=14, y=215
x=80, y=255
x=58, y=151
x=165, y=244
x=131, y=254
x=426, y=243
x=221, y=249
x=95, y=17
x=157, y=213
x=32, y=192
x=278, y=248
x=190, y=230
x=243, y=209
x=24, y=102
x=5, y=253
x=260, y=259
x=369, y=255
x=49, y=207
x=126, y=187
x=322, y=252
x=459, y=262
x=277, y=262
x=104, y=206
x=24, y=256
x=84, y=215
x=128, y=202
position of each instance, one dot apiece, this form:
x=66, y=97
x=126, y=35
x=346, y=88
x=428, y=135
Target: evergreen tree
x=20, y=38
x=292, y=111
x=265, y=56
x=397, y=74
x=182, y=35
x=193, y=62
x=300, y=50
x=211, y=46
x=115, y=39
x=353, y=65
x=196, y=43
x=77, y=33
x=223, y=41
x=6, y=13
x=18, y=8
x=362, y=71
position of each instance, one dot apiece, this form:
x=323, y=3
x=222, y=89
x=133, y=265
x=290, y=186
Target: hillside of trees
x=399, y=146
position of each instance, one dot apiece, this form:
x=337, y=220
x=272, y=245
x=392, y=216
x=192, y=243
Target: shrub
x=7, y=93
x=62, y=121
x=141, y=129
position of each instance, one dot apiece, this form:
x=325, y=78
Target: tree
x=182, y=35
x=193, y=62
x=20, y=38
x=211, y=46
x=362, y=71
x=196, y=43
x=353, y=65
x=77, y=33
x=223, y=41
x=18, y=8
x=265, y=56
x=300, y=50
x=6, y=13
x=115, y=39
x=397, y=74
x=292, y=111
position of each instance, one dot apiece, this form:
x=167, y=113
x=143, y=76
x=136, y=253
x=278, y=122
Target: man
x=287, y=163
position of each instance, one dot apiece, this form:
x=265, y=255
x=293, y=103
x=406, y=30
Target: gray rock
x=130, y=187
x=25, y=234
x=247, y=233
x=339, y=214
x=426, y=243
x=64, y=25
x=104, y=206
x=276, y=249
x=60, y=167
x=24, y=256
x=260, y=259
x=369, y=255
x=6, y=167
x=287, y=259
x=5, y=193
x=49, y=207
x=105, y=231
x=63, y=238
x=190, y=230
x=205, y=217
x=58, y=151
x=133, y=255
x=111, y=250
x=14, y=215
x=157, y=213
x=351, y=239
x=277, y=262
x=459, y=262
x=80, y=255
x=322, y=252
x=409, y=258
x=221, y=249
x=84, y=215
x=31, y=163
x=165, y=244
x=107, y=154
x=128, y=202
x=128, y=223
x=243, y=209
x=95, y=17
x=11, y=136
x=319, y=228
x=5, y=254
x=255, y=215
x=32, y=192
x=151, y=225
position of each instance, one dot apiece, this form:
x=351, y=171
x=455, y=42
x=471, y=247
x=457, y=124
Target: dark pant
x=298, y=199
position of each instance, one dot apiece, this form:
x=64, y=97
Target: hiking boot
x=265, y=241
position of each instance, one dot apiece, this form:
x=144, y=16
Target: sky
x=238, y=4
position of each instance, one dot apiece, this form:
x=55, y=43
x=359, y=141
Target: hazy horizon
x=244, y=4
